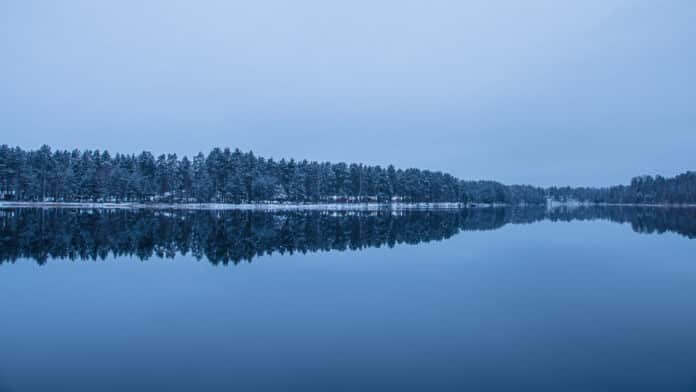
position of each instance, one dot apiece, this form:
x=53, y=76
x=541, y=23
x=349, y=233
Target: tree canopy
x=233, y=176
x=225, y=176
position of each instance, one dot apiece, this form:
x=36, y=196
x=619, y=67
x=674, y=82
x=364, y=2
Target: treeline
x=233, y=236
x=642, y=190
x=232, y=176
x=229, y=176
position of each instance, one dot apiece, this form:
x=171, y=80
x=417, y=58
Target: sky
x=539, y=92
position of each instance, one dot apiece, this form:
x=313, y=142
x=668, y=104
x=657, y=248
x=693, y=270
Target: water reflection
x=233, y=236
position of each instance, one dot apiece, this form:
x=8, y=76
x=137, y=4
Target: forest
x=233, y=176
x=680, y=189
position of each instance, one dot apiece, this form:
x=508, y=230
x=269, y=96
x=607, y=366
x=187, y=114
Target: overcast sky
x=544, y=92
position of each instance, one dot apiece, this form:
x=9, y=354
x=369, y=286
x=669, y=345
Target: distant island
x=236, y=177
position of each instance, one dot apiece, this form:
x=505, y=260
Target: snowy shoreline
x=316, y=206
x=251, y=207
x=553, y=205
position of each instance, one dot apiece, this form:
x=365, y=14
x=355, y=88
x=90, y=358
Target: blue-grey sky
x=542, y=91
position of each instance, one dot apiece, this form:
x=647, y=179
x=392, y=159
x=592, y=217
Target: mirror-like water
x=485, y=299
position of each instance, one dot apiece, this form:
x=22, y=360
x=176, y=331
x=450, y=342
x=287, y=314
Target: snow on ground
x=254, y=207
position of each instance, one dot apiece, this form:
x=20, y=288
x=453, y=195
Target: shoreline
x=644, y=205
x=371, y=206
x=251, y=206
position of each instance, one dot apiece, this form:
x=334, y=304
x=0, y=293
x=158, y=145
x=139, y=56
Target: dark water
x=480, y=300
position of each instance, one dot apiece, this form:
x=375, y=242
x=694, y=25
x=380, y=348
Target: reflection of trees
x=232, y=236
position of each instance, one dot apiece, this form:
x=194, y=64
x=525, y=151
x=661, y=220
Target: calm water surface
x=484, y=300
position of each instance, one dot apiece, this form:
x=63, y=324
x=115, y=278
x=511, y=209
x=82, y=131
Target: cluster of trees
x=232, y=176
x=642, y=190
x=232, y=236
x=224, y=175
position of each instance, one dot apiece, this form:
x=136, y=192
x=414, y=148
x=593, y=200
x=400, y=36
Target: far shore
x=368, y=206
x=371, y=206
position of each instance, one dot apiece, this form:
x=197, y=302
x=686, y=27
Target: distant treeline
x=232, y=236
x=642, y=190
x=232, y=176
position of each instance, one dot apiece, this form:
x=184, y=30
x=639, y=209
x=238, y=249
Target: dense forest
x=232, y=176
x=680, y=189
x=233, y=236
x=227, y=176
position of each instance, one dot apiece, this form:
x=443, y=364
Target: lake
x=490, y=299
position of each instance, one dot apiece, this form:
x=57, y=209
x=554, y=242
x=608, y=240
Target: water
x=483, y=300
